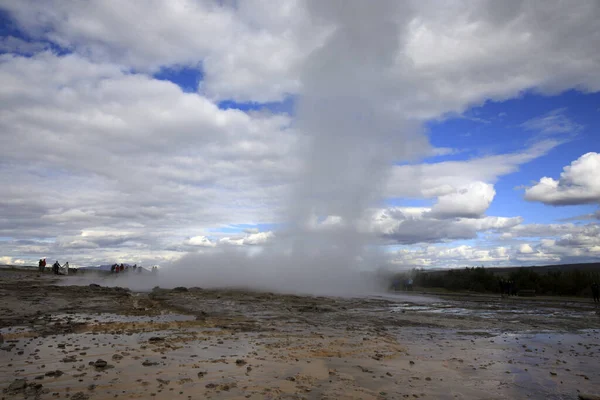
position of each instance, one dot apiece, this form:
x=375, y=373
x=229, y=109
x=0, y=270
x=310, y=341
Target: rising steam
x=350, y=139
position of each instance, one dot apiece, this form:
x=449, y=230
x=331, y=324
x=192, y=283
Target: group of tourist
x=125, y=268
x=56, y=267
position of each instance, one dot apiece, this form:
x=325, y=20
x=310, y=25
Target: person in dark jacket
x=596, y=292
x=55, y=267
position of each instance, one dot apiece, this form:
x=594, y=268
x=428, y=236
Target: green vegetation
x=544, y=280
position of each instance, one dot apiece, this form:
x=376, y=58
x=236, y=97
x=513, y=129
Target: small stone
x=80, y=396
x=587, y=396
x=17, y=385
x=100, y=363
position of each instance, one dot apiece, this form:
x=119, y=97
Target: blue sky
x=127, y=167
x=500, y=130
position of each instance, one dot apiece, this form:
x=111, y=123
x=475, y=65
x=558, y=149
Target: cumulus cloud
x=450, y=257
x=247, y=51
x=90, y=141
x=437, y=179
x=578, y=184
x=12, y=44
x=470, y=201
x=400, y=225
x=525, y=249
x=201, y=241
x=252, y=239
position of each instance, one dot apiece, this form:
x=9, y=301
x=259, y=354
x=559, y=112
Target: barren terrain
x=78, y=338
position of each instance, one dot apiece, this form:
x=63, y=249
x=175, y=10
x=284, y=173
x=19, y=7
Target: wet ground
x=93, y=342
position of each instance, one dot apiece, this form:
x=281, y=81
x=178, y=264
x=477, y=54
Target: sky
x=452, y=135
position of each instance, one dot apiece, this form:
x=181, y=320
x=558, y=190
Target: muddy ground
x=84, y=341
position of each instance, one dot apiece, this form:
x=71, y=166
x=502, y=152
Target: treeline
x=479, y=279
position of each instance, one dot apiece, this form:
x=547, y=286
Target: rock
x=155, y=339
x=202, y=374
x=210, y=385
x=100, y=363
x=80, y=396
x=411, y=362
x=69, y=359
x=17, y=385
x=240, y=362
x=56, y=373
x=117, y=357
x=163, y=381
x=149, y=363
x=585, y=396
x=60, y=345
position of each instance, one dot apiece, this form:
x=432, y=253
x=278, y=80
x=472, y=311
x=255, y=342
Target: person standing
x=40, y=266
x=55, y=267
x=596, y=292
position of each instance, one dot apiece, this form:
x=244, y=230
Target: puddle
x=491, y=311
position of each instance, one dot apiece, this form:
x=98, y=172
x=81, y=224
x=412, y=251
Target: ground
x=62, y=338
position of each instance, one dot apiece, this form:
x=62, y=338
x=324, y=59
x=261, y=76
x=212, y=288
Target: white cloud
x=400, y=225
x=525, y=249
x=12, y=44
x=450, y=257
x=578, y=184
x=201, y=241
x=12, y=261
x=87, y=145
x=470, y=201
x=437, y=179
x=246, y=51
x=252, y=239
x=554, y=122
